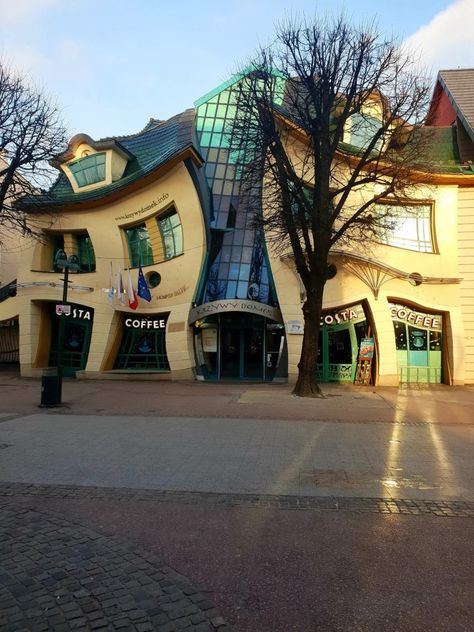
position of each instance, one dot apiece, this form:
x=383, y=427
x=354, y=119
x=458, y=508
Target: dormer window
x=90, y=165
x=88, y=170
x=362, y=130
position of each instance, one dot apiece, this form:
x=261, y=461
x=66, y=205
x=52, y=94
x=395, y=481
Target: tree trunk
x=306, y=384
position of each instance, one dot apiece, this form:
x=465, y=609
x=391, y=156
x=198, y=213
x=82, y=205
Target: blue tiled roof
x=155, y=145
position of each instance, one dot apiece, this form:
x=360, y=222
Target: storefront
x=339, y=340
x=143, y=343
x=71, y=332
x=9, y=341
x=418, y=338
x=240, y=345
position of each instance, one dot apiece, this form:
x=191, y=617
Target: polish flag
x=132, y=295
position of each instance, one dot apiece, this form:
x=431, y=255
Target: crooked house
x=223, y=305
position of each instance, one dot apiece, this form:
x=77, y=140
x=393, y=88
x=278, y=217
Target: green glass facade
x=237, y=264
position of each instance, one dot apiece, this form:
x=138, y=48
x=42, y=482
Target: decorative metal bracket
x=375, y=274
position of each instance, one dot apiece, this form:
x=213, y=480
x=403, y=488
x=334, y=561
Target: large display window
x=143, y=344
x=418, y=338
x=70, y=338
x=339, y=340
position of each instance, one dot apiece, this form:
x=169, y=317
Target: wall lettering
x=145, y=323
x=144, y=209
x=399, y=312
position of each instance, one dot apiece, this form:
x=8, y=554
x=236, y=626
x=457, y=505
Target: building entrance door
x=241, y=344
x=72, y=337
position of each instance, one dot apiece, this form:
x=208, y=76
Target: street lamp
x=51, y=385
x=65, y=264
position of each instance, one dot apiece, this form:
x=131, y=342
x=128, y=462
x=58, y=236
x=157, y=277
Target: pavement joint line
x=66, y=410
x=13, y=416
x=381, y=505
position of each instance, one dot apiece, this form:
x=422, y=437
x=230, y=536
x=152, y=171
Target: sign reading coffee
x=149, y=322
x=430, y=321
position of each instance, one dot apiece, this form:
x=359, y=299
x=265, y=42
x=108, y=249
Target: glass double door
x=242, y=347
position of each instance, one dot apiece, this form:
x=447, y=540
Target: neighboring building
x=12, y=244
x=453, y=106
x=223, y=306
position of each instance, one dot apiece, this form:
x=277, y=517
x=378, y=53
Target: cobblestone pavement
x=57, y=575
x=403, y=506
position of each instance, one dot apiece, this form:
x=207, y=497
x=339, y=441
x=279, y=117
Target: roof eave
x=157, y=172
x=456, y=107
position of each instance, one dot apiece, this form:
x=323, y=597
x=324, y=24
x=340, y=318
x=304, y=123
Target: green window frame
x=171, y=234
x=139, y=246
x=85, y=252
x=410, y=229
x=88, y=170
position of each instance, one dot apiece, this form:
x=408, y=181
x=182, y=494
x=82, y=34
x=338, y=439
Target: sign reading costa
x=430, y=321
x=147, y=322
x=343, y=316
x=75, y=311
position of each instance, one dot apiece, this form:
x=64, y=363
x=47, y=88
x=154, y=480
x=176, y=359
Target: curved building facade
x=175, y=280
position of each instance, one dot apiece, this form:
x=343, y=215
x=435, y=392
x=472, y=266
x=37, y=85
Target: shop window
x=88, y=170
x=410, y=226
x=139, y=246
x=142, y=349
x=418, y=338
x=171, y=234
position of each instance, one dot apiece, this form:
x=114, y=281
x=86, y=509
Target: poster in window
x=366, y=349
x=209, y=340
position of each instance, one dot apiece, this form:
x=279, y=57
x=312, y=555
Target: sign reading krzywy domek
x=217, y=307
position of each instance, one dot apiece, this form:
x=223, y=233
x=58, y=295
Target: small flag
x=132, y=297
x=110, y=291
x=120, y=288
x=143, y=291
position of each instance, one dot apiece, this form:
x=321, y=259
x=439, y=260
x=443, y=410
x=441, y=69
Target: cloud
x=24, y=59
x=20, y=10
x=447, y=40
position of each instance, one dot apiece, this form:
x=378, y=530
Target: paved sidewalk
x=347, y=403
x=302, y=458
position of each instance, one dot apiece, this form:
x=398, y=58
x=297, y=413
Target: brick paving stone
x=66, y=584
x=440, y=508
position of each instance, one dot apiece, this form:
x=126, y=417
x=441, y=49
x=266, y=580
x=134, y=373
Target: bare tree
x=328, y=122
x=31, y=133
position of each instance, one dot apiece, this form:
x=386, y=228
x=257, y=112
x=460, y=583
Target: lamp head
x=60, y=260
x=73, y=263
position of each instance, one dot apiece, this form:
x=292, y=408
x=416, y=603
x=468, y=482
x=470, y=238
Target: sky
x=111, y=65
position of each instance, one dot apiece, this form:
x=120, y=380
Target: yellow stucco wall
x=105, y=224
x=347, y=289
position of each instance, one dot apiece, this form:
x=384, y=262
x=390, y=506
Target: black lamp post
x=51, y=386
x=65, y=264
